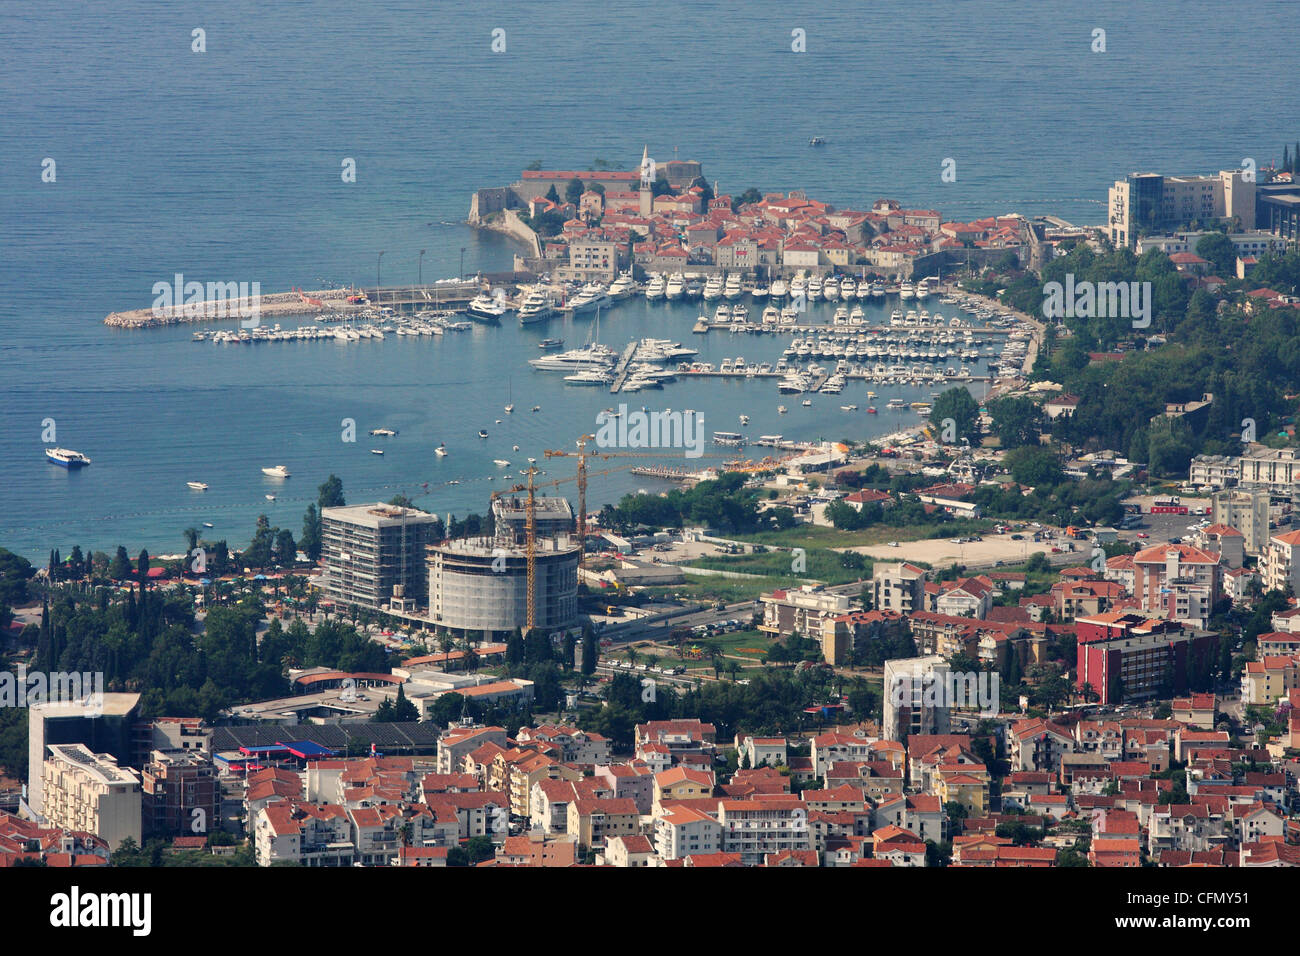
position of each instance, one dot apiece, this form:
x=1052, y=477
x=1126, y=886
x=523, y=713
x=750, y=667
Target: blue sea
x=224, y=165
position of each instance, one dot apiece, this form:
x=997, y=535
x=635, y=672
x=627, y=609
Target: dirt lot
x=993, y=548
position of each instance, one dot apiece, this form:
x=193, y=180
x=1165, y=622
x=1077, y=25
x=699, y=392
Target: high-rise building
x=916, y=701
x=180, y=794
x=373, y=555
x=1247, y=511
x=477, y=584
x=89, y=791
x=1148, y=202
x=105, y=727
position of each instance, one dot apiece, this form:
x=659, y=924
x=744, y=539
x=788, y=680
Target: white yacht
x=877, y=290
x=759, y=292
x=592, y=297
x=779, y=290
x=713, y=288
x=848, y=288
x=197, y=485
x=621, y=287
x=676, y=286
x=906, y=290
x=276, y=471
x=536, y=307
x=656, y=288
x=591, y=376
x=440, y=451
x=799, y=286
x=771, y=315
x=815, y=288
x=500, y=462
x=923, y=289
x=831, y=288
x=486, y=308
x=732, y=288
x=576, y=359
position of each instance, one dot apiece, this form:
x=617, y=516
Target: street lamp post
x=420, y=280
x=378, y=262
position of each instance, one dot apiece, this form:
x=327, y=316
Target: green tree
x=120, y=569
x=311, y=533
x=590, y=651
x=331, y=493
x=957, y=405
x=1016, y=421
x=573, y=190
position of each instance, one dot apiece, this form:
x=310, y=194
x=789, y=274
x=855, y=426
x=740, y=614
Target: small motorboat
x=376, y=451
x=197, y=485
x=207, y=524
x=270, y=497
x=441, y=450
x=537, y=408
x=482, y=433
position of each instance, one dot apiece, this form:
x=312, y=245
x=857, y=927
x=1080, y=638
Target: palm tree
x=632, y=655
x=191, y=539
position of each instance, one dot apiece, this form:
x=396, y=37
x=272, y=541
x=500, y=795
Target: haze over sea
x=224, y=166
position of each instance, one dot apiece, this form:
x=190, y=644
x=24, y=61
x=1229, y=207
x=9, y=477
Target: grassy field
x=731, y=590
x=820, y=564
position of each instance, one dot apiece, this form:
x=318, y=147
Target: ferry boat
x=66, y=458
x=197, y=485
x=276, y=471
x=728, y=438
x=385, y=432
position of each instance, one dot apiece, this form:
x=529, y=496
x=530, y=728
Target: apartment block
x=89, y=791
x=373, y=555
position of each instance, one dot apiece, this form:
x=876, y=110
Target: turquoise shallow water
x=225, y=166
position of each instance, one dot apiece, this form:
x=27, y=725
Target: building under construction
x=373, y=555
x=551, y=517
x=481, y=584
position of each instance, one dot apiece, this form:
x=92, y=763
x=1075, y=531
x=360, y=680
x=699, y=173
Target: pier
x=440, y=295
x=620, y=369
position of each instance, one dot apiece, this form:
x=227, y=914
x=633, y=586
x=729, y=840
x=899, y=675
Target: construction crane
x=582, y=455
x=530, y=519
